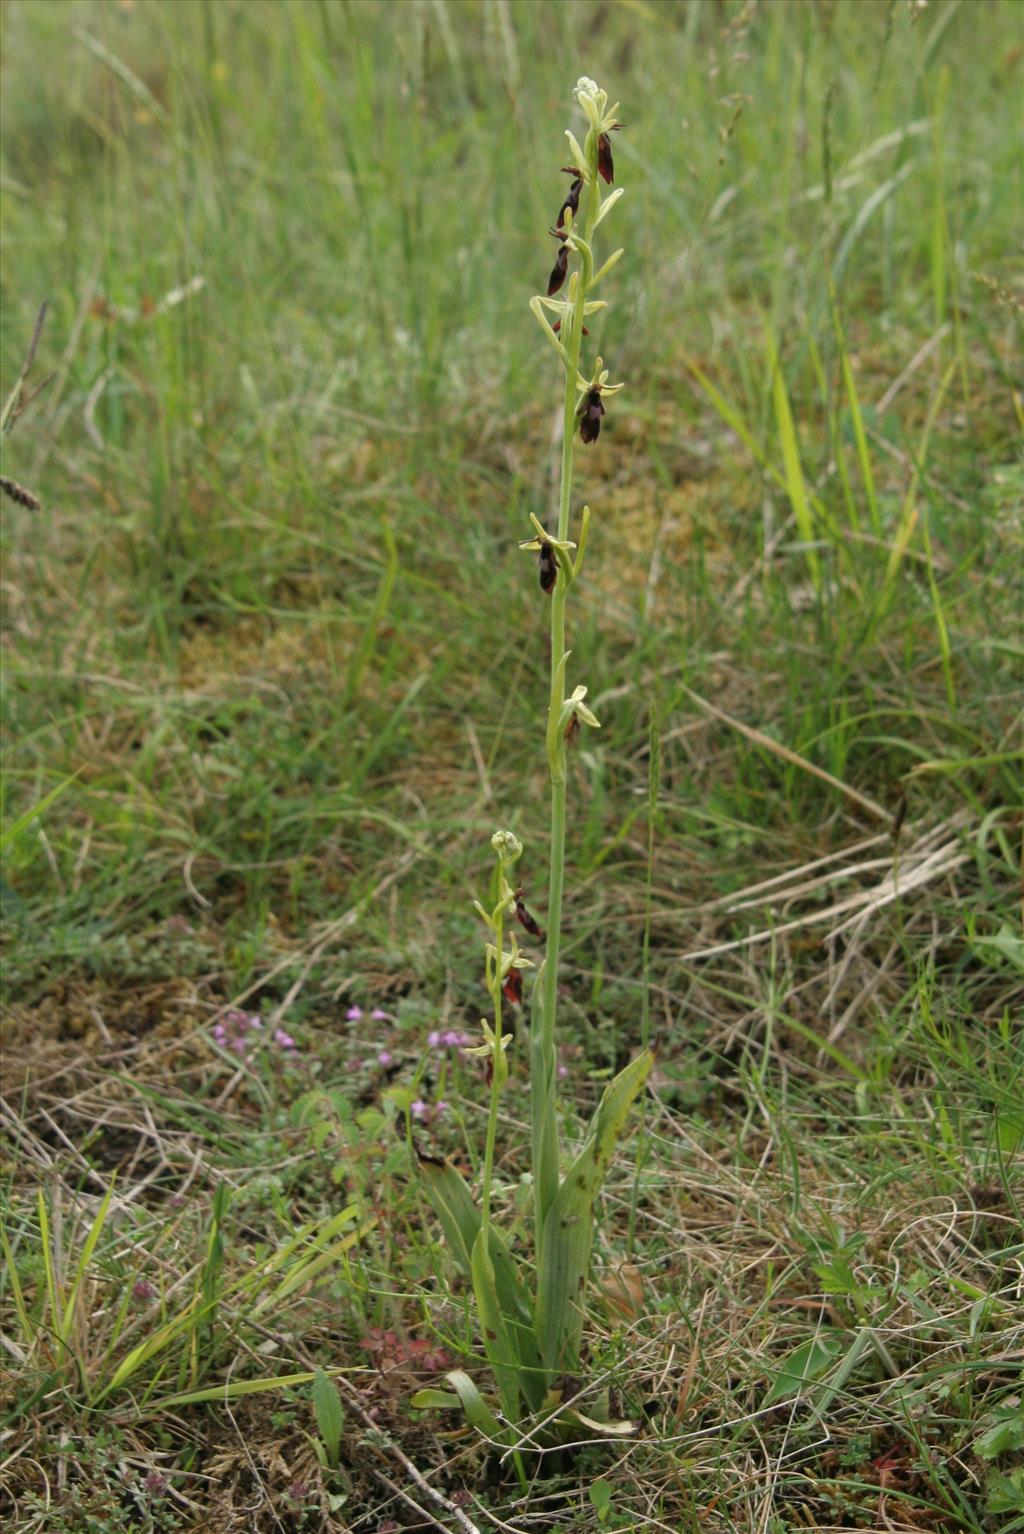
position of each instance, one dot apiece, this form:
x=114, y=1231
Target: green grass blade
x=860, y=437
x=89, y=1246
x=162, y=1338
x=909, y=511
x=28, y=1328
x=303, y=1272
x=730, y=415
x=796, y=487
x=941, y=626
x=49, y=1271
x=231, y=1391
x=368, y=638
x=17, y=828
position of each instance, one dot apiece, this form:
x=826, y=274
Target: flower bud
x=507, y=845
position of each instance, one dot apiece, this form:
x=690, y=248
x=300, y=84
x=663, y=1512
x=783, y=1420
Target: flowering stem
x=543, y=1076
x=497, y=1073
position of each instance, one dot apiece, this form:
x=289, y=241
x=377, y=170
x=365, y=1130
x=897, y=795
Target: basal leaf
x=806, y=1363
x=443, y=1400
x=330, y=1417
x=478, y=1413
x=569, y=1227
x=460, y=1221
x=500, y=1343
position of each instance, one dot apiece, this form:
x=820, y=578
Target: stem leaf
x=569, y=1227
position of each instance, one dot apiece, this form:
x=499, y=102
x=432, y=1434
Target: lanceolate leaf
x=477, y=1411
x=443, y=1400
x=568, y=1230
x=330, y=1418
x=460, y=1221
x=499, y=1340
x=454, y=1207
x=806, y=1363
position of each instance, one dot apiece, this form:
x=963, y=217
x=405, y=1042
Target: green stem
x=496, y=1079
x=545, y=1059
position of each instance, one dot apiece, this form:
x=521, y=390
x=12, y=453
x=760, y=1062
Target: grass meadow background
x=274, y=669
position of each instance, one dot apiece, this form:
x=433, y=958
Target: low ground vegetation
x=275, y=669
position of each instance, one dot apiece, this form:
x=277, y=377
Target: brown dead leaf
x=623, y=1291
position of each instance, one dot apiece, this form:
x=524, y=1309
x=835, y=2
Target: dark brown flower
x=525, y=919
x=19, y=493
x=548, y=568
x=512, y=987
x=572, y=202
x=559, y=270
x=590, y=413
x=605, y=163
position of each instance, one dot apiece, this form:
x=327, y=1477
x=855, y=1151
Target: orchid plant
x=532, y=1334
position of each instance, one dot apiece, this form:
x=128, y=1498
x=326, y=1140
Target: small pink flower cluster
x=451, y=1038
x=235, y=1031
x=355, y=1015
x=421, y=1110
